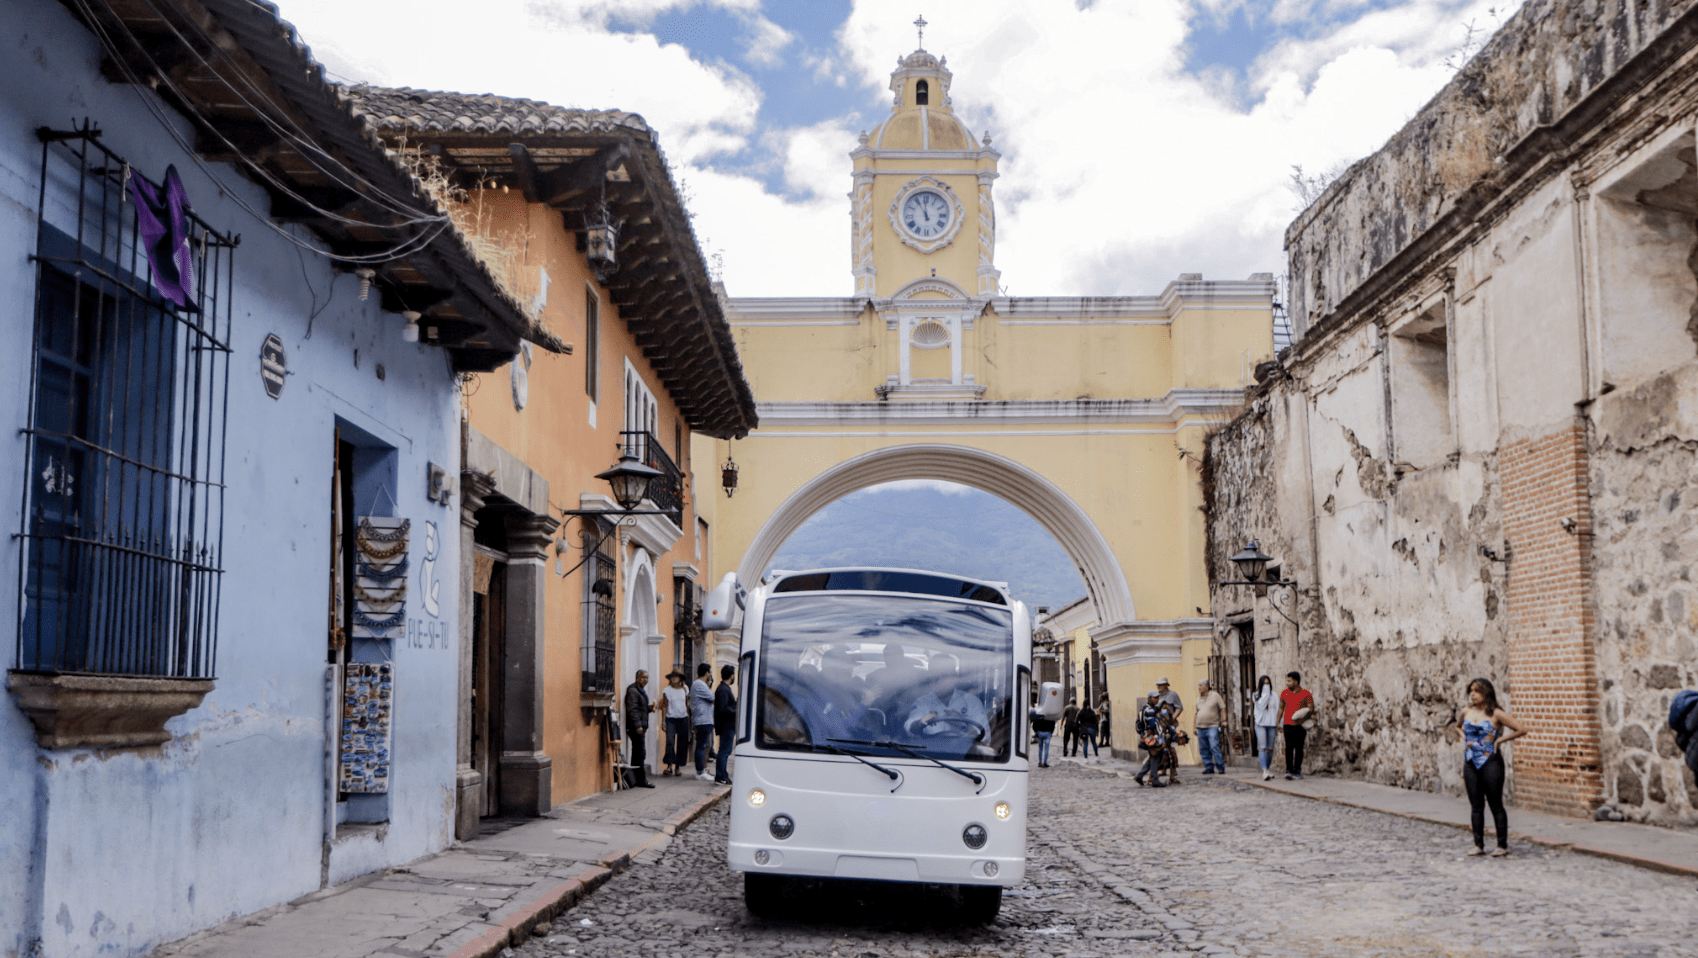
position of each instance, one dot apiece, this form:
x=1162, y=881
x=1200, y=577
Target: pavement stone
x=472, y=900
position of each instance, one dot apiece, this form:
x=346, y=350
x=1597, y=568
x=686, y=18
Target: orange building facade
x=559, y=608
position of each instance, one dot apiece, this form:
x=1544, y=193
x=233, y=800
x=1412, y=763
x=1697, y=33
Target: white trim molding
x=1134, y=642
x=655, y=533
x=1176, y=405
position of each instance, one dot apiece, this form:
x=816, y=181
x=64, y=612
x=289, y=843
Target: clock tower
x=922, y=191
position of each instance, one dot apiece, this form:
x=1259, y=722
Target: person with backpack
x=1683, y=720
x=1088, y=729
x=1154, y=736
x=724, y=722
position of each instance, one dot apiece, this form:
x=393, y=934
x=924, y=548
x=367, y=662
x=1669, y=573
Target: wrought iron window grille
x=122, y=538
x=601, y=618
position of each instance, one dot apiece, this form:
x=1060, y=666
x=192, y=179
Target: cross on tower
x=921, y=25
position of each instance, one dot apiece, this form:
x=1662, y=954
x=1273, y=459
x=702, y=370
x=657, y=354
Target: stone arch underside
x=1027, y=489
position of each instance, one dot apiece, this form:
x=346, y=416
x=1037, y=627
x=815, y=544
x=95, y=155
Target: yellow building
x=1086, y=412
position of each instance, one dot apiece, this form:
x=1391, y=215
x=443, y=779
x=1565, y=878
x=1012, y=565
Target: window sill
x=103, y=711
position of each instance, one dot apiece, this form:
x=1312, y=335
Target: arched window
x=922, y=93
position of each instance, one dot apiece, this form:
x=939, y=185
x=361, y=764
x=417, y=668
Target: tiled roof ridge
x=448, y=111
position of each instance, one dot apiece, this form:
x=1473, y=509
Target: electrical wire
x=308, y=148
x=259, y=171
x=402, y=249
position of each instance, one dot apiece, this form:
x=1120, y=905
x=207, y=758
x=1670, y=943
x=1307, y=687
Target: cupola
x=921, y=115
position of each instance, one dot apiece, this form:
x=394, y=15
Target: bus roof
x=891, y=580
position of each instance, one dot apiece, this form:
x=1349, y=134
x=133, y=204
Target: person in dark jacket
x=724, y=722
x=1044, y=729
x=1088, y=728
x=1070, y=728
x=1683, y=720
x=637, y=709
x=1155, y=736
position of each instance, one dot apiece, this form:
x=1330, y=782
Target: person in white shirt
x=1266, y=717
x=674, y=704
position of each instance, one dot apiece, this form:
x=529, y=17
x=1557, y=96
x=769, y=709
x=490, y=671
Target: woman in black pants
x=1483, y=724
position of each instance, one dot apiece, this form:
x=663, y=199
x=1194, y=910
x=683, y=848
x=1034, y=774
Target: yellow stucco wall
x=1098, y=396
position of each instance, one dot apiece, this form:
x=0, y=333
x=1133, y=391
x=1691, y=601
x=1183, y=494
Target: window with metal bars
x=123, y=508
x=601, y=624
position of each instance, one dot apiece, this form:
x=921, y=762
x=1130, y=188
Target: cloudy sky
x=1140, y=138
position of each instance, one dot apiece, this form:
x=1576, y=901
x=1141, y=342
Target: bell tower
x=921, y=202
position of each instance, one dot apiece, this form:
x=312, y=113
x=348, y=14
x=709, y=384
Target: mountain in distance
x=940, y=527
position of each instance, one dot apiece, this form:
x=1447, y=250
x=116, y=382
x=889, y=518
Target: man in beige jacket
x=1211, y=711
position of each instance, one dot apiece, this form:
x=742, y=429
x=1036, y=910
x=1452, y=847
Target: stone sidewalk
x=1648, y=846
x=477, y=897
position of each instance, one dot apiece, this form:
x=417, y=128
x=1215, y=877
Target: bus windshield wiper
x=857, y=756
x=973, y=777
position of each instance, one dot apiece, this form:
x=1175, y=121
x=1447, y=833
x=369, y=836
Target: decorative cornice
x=1154, y=641
x=794, y=310
x=1176, y=405
x=1250, y=294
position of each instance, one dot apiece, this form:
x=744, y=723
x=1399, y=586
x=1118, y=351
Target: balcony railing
x=666, y=490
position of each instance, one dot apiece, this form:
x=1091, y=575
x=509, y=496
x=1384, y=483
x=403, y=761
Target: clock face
x=926, y=214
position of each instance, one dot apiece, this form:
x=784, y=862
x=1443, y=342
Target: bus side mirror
x=718, y=611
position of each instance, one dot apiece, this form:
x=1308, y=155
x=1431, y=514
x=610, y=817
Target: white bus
x=882, y=732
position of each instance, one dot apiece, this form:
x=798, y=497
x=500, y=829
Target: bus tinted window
x=881, y=580
x=870, y=673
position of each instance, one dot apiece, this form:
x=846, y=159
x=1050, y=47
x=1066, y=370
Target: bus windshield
x=886, y=675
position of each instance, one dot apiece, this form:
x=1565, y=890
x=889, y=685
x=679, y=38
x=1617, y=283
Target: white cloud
x=1120, y=168
x=924, y=485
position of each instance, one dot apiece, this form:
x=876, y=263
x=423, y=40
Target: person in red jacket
x=1296, y=706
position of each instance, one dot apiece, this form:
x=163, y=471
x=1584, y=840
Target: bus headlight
x=782, y=827
x=757, y=797
x=974, y=836
x=1003, y=811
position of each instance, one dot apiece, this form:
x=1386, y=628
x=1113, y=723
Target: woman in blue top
x=1485, y=726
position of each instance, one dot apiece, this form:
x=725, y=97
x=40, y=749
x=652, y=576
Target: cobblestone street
x=1212, y=866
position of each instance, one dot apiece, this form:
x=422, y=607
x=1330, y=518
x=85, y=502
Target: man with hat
x=637, y=710
x=1169, y=697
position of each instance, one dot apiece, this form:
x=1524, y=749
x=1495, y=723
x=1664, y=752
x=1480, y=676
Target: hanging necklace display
x=380, y=577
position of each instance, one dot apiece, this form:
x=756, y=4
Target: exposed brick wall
x=1552, y=660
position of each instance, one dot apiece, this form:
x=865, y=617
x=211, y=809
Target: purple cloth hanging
x=164, y=225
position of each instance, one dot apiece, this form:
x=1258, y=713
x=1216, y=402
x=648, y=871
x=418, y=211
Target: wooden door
x=489, y=647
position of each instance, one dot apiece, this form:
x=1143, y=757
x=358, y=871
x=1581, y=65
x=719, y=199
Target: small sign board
x=273, y=365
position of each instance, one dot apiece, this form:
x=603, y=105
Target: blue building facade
x=232, y=554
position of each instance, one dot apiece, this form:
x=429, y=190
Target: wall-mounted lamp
x=601, y=243
x=410, y=332
x=629, y=481
x=1252, y=564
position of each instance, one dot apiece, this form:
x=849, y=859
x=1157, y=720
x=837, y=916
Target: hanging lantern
x=601, y=242
x=728, y=476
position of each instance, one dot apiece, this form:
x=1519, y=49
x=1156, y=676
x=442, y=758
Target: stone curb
x=1593, y=850
x=518, y=926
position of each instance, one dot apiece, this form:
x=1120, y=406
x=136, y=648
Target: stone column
x=526, y=770
x=475, y=487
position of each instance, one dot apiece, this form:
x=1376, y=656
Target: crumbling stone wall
x=1644, y=470
x=1466, y=143
x=1399, y=606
